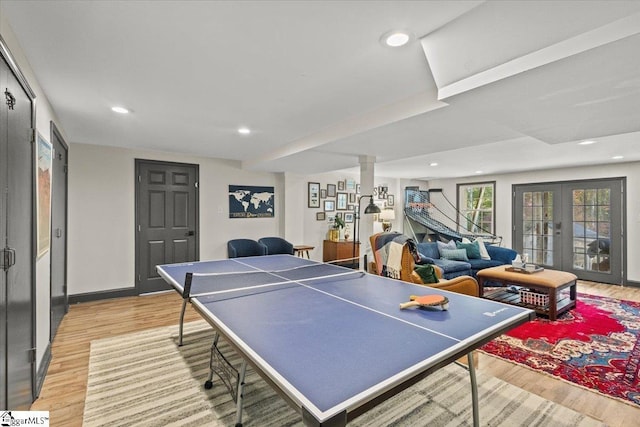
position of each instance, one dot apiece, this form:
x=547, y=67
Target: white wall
x=504, y=209
x=102, y=212
x=295, y=187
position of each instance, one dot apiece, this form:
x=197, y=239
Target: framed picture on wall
x=251, y=201
x=390, y=200
x=314, y=195
x=352, y=198
x=341, y=202
x=321, y=216
x=331, y=190
x=348, y=217
x=323, y=193
x=44, y=164
x=351, y=184
x=329, y=205
x=382, y=192
x=341, y=185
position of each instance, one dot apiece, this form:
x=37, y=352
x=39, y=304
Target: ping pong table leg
x=184, y=308
x=240, y=393
x=209, y=383
x=474, y=391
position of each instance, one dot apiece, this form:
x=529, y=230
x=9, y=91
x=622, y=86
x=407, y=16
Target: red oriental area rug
x=595, y=346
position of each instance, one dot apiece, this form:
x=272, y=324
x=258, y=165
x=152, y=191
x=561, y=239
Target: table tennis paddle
x=426, y=301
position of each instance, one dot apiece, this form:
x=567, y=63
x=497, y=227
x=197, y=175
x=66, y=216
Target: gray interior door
x=573, y=226
x=18, y=367
x=59, y=298
x=166, y=218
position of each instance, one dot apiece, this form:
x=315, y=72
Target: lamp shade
x=371, y=208
x=387, y=215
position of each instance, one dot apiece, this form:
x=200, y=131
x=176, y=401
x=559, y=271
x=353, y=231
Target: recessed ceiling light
x=478, y=171
x=120, y=110
x=433, y=164
x=587, y=142
x=617, y=157
x=395, y=38
x=244, y=131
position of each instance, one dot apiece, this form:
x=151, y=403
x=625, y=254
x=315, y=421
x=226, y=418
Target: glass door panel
x=535, y=241
x=596, y=238
x=538, y=239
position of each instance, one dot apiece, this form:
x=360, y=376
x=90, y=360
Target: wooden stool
x=301, y=250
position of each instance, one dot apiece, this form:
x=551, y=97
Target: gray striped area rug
x=145, y=379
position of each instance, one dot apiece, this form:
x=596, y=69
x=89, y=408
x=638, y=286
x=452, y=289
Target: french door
x=572, y=226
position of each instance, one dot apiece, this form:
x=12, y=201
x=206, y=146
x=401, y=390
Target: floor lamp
x=371, y=208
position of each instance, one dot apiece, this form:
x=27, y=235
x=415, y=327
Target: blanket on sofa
x=388, y=253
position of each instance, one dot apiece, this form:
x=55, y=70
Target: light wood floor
x=65, y=385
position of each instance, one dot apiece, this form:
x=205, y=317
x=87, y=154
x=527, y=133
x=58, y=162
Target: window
x=476, y=207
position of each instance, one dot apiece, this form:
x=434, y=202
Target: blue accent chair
x=237, y=248
x=276, y=245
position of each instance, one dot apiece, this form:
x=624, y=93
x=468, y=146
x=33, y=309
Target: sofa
x=462, y=284
x=453, y=264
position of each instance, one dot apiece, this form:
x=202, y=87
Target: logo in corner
x=493, y=313
x=6, y=418
x=24, y=418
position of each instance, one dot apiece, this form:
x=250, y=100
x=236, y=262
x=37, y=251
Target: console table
x=341, y=250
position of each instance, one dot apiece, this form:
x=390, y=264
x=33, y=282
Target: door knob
x=190, y=233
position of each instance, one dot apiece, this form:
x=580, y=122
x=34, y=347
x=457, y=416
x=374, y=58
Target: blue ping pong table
x=333, y=341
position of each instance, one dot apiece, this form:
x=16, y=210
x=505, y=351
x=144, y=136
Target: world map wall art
x=247, y=201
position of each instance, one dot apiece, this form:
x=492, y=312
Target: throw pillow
x=451, y=244
x=429, y=249
x=427, y=273
x=454, y=254
x=425, y=259
x=473, y=249
x=484, y=254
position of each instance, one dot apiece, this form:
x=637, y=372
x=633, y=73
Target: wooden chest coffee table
x=543, y=291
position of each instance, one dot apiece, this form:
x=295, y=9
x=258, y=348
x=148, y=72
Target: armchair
x=462, y=284
x=276, y=245
x=237, y=248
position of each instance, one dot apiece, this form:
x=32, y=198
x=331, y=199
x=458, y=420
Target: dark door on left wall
x=17, y=239
x=166, y=219
x=59, y=165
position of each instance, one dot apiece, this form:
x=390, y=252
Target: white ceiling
x=498, y=86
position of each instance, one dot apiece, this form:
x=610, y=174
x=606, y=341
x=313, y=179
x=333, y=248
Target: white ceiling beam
x=606, y=34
